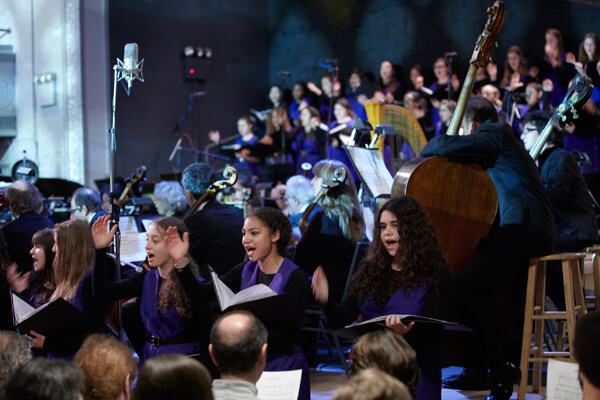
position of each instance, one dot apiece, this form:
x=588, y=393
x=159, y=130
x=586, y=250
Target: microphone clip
x=130, y=72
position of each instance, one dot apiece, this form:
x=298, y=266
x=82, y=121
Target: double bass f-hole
x=339, y=177
x=230, y=174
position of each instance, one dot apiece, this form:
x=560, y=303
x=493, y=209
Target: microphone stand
x=449, y=60
x=114, y=208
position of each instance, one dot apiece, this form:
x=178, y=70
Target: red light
x=192, y=71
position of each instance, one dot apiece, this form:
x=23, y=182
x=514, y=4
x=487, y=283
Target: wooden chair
x=535, y=314
x=595, y=298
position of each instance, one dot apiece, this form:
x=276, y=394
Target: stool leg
x=567, y=268
x=596, y=274
x=578, y=291
x=527, y=329
x=538, y=325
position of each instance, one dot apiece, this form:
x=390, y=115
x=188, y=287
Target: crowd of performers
x=543, y=208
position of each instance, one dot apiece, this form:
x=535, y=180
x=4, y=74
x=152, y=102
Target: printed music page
x=563, y=380
x=372, y=170
x=227, y=298
x=279, y=385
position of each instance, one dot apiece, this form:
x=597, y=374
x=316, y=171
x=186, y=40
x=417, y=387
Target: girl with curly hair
x=265, y=236
x=175, y=319
x=404, y=272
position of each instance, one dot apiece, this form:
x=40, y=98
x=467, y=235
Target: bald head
x=237, y=340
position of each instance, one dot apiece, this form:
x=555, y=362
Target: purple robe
x=429, y=357
x=276, y=362
x=163, y=323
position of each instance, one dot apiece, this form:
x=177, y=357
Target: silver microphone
x=130, y=68
x=177, y=147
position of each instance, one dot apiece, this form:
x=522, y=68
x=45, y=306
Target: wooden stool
x=595, y=299
x=535, y=314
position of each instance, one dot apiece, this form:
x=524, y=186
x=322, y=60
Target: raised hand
x=103, y=237
x=320, y=286
x=17, y=281
x=177, y=248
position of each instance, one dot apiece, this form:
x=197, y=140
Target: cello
x=461, y=200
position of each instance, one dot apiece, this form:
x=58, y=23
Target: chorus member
x=214, y=227
x=588, y=57
x=332, y=234
x=73, y=263
x=524, y=224
x=301, y=99
x=417, y=83
x=108, y=366
x=555, y=66
x=327, y=94
x=360, y=88
x=24, y=203
x=568, y=194
x=309, y=144
x=388, y=86
x=175, y=320
x=516, y=74
x=404, y=272
x=173, y=377
x=265, y=236
x=417, y=106
x=445, y=86
x=244, y=159
x=447, y=108
x=169, y=199
x=340, y=132
x=86, y=205
x=36, y=287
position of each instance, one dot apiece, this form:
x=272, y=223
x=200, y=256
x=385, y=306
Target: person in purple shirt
x=404, y=272
x=175, y=318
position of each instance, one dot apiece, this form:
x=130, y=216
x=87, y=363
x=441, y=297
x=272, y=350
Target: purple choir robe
x=280, y=362
x=163, y=323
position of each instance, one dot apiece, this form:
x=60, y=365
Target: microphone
x=177, y=147
x=284, y=74
x=130, y=69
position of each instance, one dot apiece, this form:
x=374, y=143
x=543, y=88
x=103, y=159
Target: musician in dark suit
x=86, y=205
x=568, y=194
x=524, y=228
x=215, y=229
x=25, y=204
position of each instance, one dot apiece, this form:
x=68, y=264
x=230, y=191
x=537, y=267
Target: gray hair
x=15, y=351
x=85, y=196
x=170, y=195
x=23, y=197
x=299, y=187
x=196, y=178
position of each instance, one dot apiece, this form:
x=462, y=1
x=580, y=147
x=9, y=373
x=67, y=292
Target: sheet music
x=224, y=294
x=21, y=309
x=369, y=219
x=279, y=385
x=563, y=381
x=133, y=247
x=227, y=298
x=371, y=168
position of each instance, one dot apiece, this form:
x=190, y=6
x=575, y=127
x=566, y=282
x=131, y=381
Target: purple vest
x=250, y=275
x=401, y=302
x=163, y=323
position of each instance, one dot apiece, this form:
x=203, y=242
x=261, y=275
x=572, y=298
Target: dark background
x=252, y=40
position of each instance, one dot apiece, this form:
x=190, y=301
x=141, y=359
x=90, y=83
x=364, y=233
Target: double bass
x=461, y=200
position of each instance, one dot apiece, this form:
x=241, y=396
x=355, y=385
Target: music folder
x=356, y=330
x=57, y=317
x=260, y=300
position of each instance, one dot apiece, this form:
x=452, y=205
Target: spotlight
x=199, y=52
x=208, y=52
x=188, y=51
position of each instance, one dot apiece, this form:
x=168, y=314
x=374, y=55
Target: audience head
x=266, y=228
x=589, y=49
x=74, y=256
x=42, y=379
x=479, y=110
x=15, y=351
x=299, y=193
x=196, y=178
x=174, y=377
x=23, y=197
x=108, y=366
x=238, y=345
x=587, y=349
x=373, y=384
x=84, y=203
x=388, y=351
x=341, y=200
x=534, y=123
x=169, y=198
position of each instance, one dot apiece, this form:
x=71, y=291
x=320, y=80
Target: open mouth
x=250, y=251
x=391, y=243
x=150, y=257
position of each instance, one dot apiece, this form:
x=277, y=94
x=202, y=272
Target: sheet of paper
x=563, y=381
x=21, y=308
x=371, y=168
x=224, y=294
x=133, y=247
x=279, y=385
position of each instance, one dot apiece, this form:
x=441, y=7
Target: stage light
x=188, y=51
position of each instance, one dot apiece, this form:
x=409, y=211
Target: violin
x=230, y=174
x=339, y=176
x=138, y=175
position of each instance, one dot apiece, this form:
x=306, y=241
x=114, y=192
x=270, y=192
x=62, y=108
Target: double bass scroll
x=230, y=174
